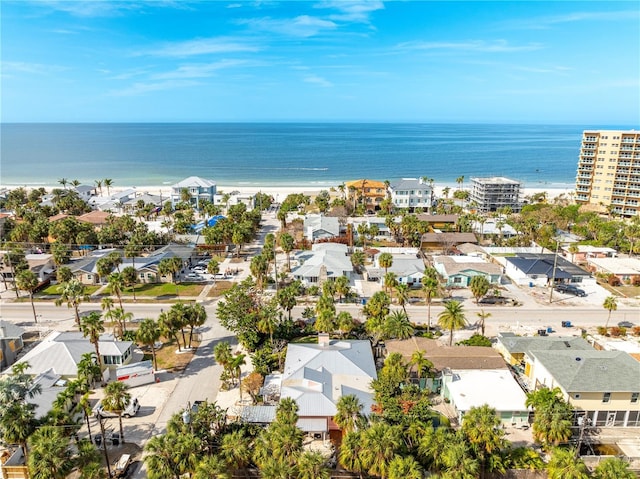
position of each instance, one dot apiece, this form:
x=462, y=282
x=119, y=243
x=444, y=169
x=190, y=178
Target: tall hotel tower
x=608, y=177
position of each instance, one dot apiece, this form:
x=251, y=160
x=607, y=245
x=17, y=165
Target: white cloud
x=497, y=46
x=541, y=23
x=200, y=70
x=352, y=10
x=201, y=46
x=141, y=88
x=300, y=26
x=316, y=80
x=33, y=68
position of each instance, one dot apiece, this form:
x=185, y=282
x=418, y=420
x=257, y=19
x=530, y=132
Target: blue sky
x=335, y=60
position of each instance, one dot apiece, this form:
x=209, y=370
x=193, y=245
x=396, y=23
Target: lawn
x=168, y=289
x=625, y=291
x=169, y=359
x=54, y=290
x=220, y=288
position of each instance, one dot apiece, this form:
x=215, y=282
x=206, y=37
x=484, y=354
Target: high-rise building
x=494, y=193
x=608, y=177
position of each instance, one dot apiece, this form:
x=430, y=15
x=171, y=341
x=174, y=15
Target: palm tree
x=27, y=280
x=108, y=183
x=106, y=303
x=350, y=455
x=460, y=181
x=613, y=468
x=479, y=286
x=452, y=318
x=116, y=285
x=398, y=326
x=481, y=428
x=385, y=260
x=212, y=467
x=564, y=465
x=402, y=295
x=99, y=186
x=50, y=456
x=610, y=304
x=287, y=243
x=483, y=317
x=430, y=288
x=342, y=287
x=405, y=468
x=390, y=280
x=312, y=465
x=63, y=182
x=161, y=458
x=148, y=333
x=349, y=415
x=120, y=318
x=268, y=321
x=458, y=462
x=345, y=323
x=88, y=370
x=380, y=444
x=73, y=293
x=92, y=326
x=258, y=267
x=357, y=259
x=287, y=299
x=236, y=449
x=116, y=399
x=422, y=364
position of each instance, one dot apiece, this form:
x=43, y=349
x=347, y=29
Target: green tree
x=116, y=286
x=73, y=293
x=610, y=304
x=162, y=459
x=213, y=267
x=381, y=442
x=286, y=298
x=481, y=428
x=402, y=295
x=287, y=243
x=345, y=323
x=385, y=260
x=564, y=465
x=452, y=318
x=552, y=416
x=170, y=266
x=421, y=363
x=88, y=370
x=50, y=456
x=483, y=317
x=405, y=468
x=259, y=267
x=342, y=288
x=92, y=326
x=130, y=277
x=613, y=468
x=357, y=259
x=349, y=415
x=27, y=281
x=350, y=455
x=148, y=334
x=212, y=467
x=312, y=465
x=116, y=399
x=120, y=318
x=397, y=326
x=479, y=286
x=236, y=449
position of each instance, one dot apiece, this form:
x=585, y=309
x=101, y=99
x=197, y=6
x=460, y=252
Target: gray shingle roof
x=526, y=344
x=10, y=331
x=592, y=371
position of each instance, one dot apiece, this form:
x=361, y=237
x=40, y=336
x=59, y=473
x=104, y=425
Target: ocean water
x=281, y=154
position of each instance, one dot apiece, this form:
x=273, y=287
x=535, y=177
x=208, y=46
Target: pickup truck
x=131, y=410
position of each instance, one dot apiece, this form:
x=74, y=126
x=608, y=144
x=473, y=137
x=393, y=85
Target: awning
x=313, y=424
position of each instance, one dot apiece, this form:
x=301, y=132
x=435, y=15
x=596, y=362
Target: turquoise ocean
x=282, y=154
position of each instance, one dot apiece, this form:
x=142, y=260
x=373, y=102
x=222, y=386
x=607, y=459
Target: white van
x=131, y=410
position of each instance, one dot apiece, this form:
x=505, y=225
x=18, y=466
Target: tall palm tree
x=63, y=182
x=430, y=288
x=421, y=363
x=287, y=243
x=120, y=318
x=116, y=399
x=350, y=455
x=405, y=468
x=50, y=456
x=212, y=467
x=452, y=318
x=460, y=181
x=236, y=449
x=398, y=326
x=287, y=298
x=27, y=280
x=613, y=468
x=345, y=323
x=483, y=317
x=161, y=458
x=148, y=334
x=106, y=303
x=342, y=287
x=390, y=281
x=610, y=304
x=116, y=285
x=258, y=267
x=385, y=260
x=99, y=186
x=92, y=326
x=73, y=293
x=402, y=295
x=88, y=370
x=481, y=428
x=108, y=183
x=357, y=259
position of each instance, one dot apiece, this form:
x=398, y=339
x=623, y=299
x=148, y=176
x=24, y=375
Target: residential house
x=445, y=241
x=466, y=389
x=369, y=193
x=11, y=343
x=317, y=227
x=541, y=269
x=458, y=270
x=626, y=269
x=198, y=188
x=586, y=252
x=115, y=202
x=441, y=223
x=493, y=227
x=61, y=352
x=96, y=218
x=3, y=219
x=324, y=261
x=375, y=221
x=42, y=265
x=518, y=350
x=85, y=192
x=50, y=385
x=316, y=376
x=410, y=193
x=603, y=385
x=408, y=267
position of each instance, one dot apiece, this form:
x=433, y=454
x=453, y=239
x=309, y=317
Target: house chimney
x=323, y=339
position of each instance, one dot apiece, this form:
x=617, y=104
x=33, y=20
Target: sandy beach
x=279, y=193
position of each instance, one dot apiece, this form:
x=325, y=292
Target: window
x=606, y=397
x=634, y=397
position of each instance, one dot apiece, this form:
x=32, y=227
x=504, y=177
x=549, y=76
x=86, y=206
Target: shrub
x=602, y=331
x=616, y=331
x=635, y=281
x=635, y=331
x=613, y=280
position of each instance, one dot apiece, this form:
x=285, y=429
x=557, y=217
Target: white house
x=320, y=227
x=411, y=193
x=199, y=188
x=408, y=267
x=324, y=261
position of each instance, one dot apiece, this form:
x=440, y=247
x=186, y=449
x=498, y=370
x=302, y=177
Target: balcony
x=588, y=146
x=588, y=154
x=583, y=189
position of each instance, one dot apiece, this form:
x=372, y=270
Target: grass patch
x=169, y=359
x=220, y=288
x=169, y=289
x=311, y=339
x=625, y=291
x=54, y=290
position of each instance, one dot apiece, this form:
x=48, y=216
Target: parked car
x=570, y=289
x=131, y=410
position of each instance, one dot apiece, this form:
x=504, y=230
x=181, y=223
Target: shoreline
x=279, y=192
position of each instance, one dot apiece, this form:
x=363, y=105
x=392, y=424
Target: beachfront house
x=365, y=192
x=198, y=189
x=410, y=193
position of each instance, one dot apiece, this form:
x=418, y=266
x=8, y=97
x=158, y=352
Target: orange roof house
x=369, y=192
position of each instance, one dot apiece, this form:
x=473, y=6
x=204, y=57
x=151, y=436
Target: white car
x=131, y=410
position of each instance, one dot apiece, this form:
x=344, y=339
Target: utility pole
x=553, y=273
x=104, y=445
